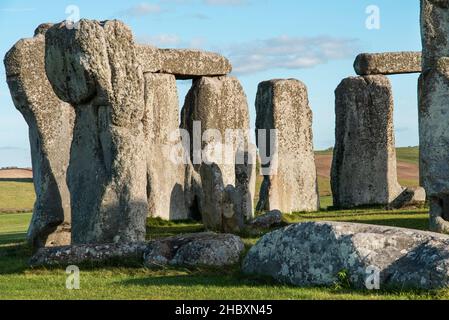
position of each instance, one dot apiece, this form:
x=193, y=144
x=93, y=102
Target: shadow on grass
x=27, y=180
x=12, y=238
x=236, y=279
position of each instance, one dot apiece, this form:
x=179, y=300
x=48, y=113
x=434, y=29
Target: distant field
x=17, y=192
x=407, y=166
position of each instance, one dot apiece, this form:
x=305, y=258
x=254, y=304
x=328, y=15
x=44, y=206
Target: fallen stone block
x=409, y=198
x=87, y=253
x=387, y=63
x=314, y=253
x=202, y=249
x=183, y=63
x=268, y=220
x=197, y=249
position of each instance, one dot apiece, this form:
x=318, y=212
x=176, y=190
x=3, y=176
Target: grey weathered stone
x=387, y=63
x=87, y=253
x=434, y=31
x=50, y=122
x=183, y=63
x=283, y=105
x=311, y=254
x=95, y=68
x=202, y=249
x=166, y=165
x=219, y=104
x=433, y=107
x=410, y=197
x=364, y=163
x=268, y=220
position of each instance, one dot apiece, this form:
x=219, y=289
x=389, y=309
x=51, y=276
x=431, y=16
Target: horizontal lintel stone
x=183, y=63
x=387, y=63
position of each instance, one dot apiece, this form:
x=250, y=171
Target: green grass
x=409, y=155
x=16, y=196
x=17, y=281
x=133, y=281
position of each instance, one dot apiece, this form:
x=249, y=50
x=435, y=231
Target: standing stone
x=364, y=163
x=50, y=122
x=291, y=186
x=166, y=168
x=95, y=68
x=217, y=118
x=433, y=109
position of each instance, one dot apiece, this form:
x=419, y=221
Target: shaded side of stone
x=50, y=123
x=291, y=182
x=166, y=154
x=364, y=164
x=95, y=68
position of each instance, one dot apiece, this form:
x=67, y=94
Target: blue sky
x=313, y=41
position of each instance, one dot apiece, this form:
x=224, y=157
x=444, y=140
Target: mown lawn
x=133, y=281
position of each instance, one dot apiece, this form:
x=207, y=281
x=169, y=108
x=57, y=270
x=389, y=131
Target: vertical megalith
x=94, y=67
x=285, y=140
x=167, y=163
x=50, y=123
x=364, y=164
x=433, y=95
x=216, y=116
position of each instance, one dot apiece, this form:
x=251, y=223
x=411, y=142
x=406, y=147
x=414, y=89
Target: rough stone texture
x=433, y=109
x=409, y=198
x=95, y=68
x=166, y=170
x=268, y=220
x=387, y=63
x=202, y=249
x=434, y=31
x=219, y=104
x=364, y=163
x=283, y=105
x=183, y=63
x=312, y=254
x=50, y=123
x=92, y=253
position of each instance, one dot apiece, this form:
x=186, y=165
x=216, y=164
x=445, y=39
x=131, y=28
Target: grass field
x=16, y=196
x=133, y=281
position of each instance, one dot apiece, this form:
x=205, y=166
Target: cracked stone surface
x=218, y=104
x=50, y=121
x=183, y=63
x=292, y=185
x=95, y=68
x=433, y=108
x=387, y=63
x=312, y=254
x=364, y=164
x=199, y=249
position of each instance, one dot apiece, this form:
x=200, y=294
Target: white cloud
x=286, y=52
x=142, y=9
x=171, y=41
